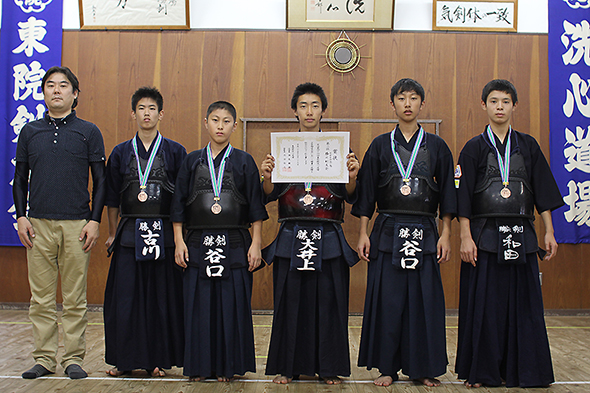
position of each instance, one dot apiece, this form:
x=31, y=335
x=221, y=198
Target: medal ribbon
x=503, y=163
x=143, y=176
x=408, y=171
x=308, y=186
x=216, y=181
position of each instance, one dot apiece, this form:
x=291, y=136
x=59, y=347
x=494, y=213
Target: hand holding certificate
x=318, y=157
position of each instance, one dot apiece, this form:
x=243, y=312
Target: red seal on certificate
x=216, y=208
x=505, y=192
x=142, y=196
x=405, y=190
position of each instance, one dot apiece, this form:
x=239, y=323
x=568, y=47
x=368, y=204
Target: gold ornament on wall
x=343, y=55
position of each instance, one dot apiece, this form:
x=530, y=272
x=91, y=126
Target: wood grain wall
x=257, y=71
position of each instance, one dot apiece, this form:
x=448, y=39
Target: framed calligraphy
x=491, y=15
x=340, y=14
x=134, y=14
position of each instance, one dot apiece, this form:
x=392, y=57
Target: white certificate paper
x=318, y=157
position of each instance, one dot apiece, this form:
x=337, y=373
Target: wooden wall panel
x=258, y=70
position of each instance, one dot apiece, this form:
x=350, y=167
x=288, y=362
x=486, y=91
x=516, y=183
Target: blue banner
x=569, y=116
x=30, y=43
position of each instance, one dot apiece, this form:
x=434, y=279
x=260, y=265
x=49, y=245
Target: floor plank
x=569, y=337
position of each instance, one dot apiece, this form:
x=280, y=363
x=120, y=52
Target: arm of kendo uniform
x=550, y=243
x=91, y=230
x=19, y=193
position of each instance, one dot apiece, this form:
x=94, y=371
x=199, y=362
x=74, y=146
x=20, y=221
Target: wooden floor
x=569, y=337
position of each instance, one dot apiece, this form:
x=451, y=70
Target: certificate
x=318, y=157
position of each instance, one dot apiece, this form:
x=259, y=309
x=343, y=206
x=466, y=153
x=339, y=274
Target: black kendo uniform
x=502, y=334
x=218, y=289
x=404, y=315
x=310, y=324
x=143, y=311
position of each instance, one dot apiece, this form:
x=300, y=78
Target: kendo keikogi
x=404, y=314
x=217, y=283
x=502, y=334
x=143, y=297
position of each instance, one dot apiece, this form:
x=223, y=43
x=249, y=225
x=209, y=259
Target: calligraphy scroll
x=134, y=14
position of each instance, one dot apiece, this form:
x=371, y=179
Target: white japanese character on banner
x=215, y=270
x=157, y=225
x=577, y=97
x=576, y=39
x=417, y=233
x=143, y=226
x=575, y=4
x=32, y=5
x=220, y=240
x=410, y=248
x=518, y=229
x=28, y=80
x=316, y=234
x=12, y=212
x=301, y=234
x=510, y=243
x=208, y=241
x=578, y=153
x=23, y=117
x=404, y=233
x=151, y=241
x=306, y=253
x=504, y=229
x=215, y=256
x=578, y=200
x=30, y=33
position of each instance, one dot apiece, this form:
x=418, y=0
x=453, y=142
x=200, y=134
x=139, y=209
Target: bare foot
x=114, y=372
x=383, y=380
x=332, y=380
x=282, y=379
x=428, y=381
x=221, y=378
x=473, y=385
x=196, y=378
x=158, y=372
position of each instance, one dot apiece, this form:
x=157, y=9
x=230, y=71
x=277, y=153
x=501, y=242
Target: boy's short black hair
x=499, y=85
x=406, y=84
x=69, y=74
x=147, y=92
x=222, y=105
x=309, y=88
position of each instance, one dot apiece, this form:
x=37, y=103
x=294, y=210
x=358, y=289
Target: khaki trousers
x=57, y=250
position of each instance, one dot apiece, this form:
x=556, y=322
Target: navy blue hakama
x=404, y=317
x=502, y=334
x=143, y=313
x=310, y=324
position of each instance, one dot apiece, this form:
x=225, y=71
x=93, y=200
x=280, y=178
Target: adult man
x=60, y=229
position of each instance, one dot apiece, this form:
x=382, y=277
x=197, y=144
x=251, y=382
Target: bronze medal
x=216, y=208
x=505, y=192
x=307, y=199
x=142, y=196
x=405, y=190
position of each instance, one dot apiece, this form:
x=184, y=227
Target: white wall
x=410, y=15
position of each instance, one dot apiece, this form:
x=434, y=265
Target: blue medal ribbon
x=406, y=173
x=143, y=176
x=216, y=181
x=505, y=162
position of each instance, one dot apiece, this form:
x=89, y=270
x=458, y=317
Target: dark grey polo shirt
x=59, y=153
